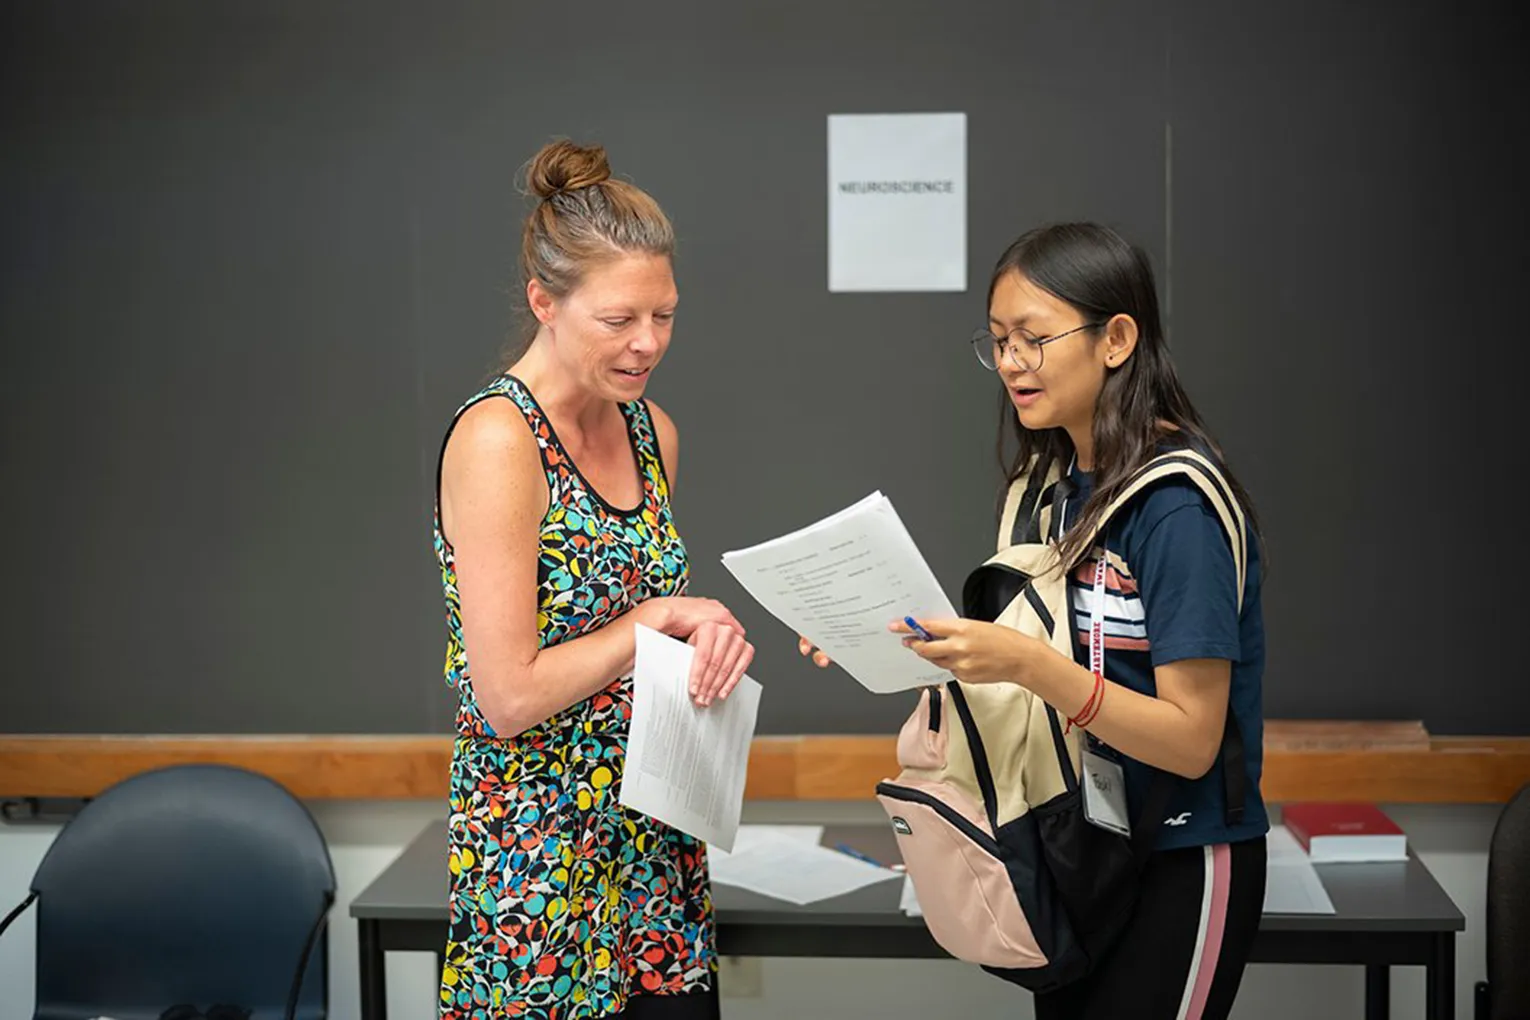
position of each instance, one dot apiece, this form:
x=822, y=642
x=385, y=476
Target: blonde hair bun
x=562, y=166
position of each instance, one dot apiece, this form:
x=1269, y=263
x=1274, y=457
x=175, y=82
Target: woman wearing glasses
x=1074, y=335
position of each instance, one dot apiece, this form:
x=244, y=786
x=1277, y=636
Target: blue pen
x=851, y=851
x=919, y=632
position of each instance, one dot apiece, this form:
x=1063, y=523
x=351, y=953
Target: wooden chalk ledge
x=1309, y=761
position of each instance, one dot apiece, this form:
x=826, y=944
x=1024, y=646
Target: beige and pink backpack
x=1009, y=872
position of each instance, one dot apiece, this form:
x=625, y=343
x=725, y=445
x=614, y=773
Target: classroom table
x=1386, y=915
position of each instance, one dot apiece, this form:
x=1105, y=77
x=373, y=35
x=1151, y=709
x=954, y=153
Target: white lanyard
x=1097, y=610
x=1104, y=781
x=1097, y=617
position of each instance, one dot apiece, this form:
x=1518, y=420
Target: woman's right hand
x=722, y=654
x=806, y=648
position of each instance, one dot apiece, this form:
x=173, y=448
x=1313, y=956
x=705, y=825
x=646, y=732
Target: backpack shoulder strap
x=1026, y=506
x=1205, y=475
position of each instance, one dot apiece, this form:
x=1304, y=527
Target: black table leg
x=1440, y=979
x=1378, y=991
x=374, y=975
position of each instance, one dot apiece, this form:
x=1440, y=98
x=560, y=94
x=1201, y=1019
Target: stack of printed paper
x=686, y=765
x=840, y=582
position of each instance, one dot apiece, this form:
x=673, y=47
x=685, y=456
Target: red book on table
x=1345, y=832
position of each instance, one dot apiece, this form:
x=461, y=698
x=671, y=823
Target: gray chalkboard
x=255, y=254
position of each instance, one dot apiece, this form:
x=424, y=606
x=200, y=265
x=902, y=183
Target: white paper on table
x=1292, y=885
x=750, y=835
x=1282, y=848
x=897, y=202
x=910, y=901
x=796, y=871
x=685, y=764
x=840, y=582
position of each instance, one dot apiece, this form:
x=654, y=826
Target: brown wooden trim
x=1450, y=770
x=1459, y=770
x=1454, y=770
x=320, y=767
x=773, y=768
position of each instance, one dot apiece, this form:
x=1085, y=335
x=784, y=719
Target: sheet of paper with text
x=686, y=765
x=840, y=581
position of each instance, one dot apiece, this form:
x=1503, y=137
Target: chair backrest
x=1508, y=911
x=189, y=884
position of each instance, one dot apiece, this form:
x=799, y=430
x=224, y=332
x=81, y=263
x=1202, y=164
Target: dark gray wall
x=255, y=254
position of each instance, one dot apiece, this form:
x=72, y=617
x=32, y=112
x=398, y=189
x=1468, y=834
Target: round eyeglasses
x=1025, y=353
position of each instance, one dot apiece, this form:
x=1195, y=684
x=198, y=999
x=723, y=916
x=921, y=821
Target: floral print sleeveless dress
x=563, y=903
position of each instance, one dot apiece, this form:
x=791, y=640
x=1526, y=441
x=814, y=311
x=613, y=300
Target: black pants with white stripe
x=1183, y=955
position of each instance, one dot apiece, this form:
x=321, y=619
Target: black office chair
x=193, y=884
x=1505, y=995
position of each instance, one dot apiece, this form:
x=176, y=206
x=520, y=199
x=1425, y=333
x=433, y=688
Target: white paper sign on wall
x=898, y=202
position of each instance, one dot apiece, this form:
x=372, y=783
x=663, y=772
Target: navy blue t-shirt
x=1170, y=594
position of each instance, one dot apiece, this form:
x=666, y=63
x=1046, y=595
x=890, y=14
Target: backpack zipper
x=944, y=810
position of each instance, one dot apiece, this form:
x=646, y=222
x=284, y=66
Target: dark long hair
x=1094, y=270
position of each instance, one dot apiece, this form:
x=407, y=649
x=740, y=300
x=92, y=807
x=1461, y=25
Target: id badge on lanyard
x=1103, y=780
